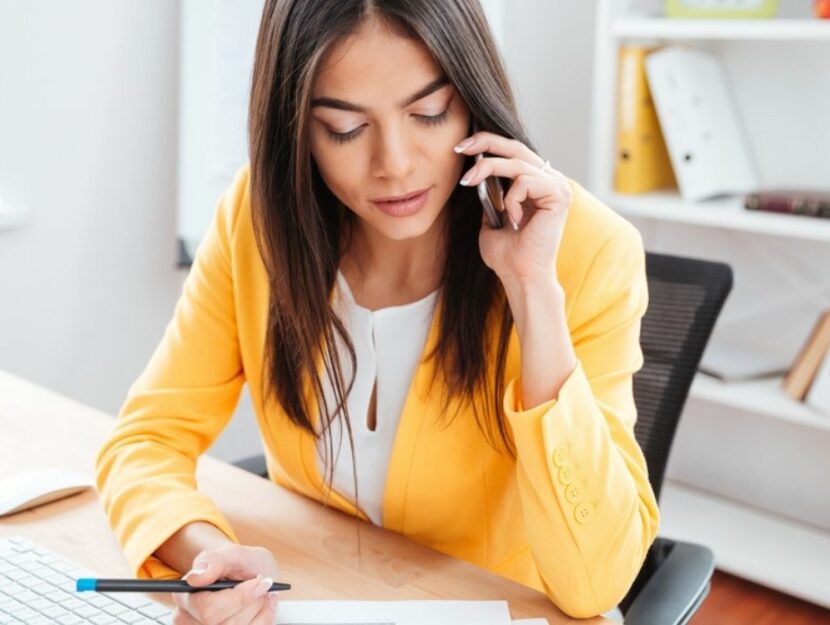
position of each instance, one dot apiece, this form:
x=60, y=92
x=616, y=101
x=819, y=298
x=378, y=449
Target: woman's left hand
x=537, y=202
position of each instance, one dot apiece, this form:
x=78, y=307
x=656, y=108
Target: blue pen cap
x=85, y=584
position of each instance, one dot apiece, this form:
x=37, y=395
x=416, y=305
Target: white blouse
x=388, y=346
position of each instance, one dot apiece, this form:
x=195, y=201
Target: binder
x=642, y=159
x=706, y=142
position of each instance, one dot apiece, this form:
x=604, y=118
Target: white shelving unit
x=733, y=30
x=763, y=397
x=719, y=213
x=749, y=542
x=780, y=104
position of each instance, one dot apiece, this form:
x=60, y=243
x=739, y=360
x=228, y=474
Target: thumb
x=205, y=570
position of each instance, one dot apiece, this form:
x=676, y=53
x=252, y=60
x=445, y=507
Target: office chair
x=685, y=297
x=254, y=464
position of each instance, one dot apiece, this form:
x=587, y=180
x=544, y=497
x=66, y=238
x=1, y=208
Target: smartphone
x=491, y=194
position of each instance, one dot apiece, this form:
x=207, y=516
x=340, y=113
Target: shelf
x=719, y=213
x=748, y=542
x=764, y=397
x=805, y=29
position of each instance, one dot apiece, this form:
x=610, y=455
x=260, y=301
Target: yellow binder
x=643, y=162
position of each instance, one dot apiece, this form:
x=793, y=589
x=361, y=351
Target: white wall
x=88, y=147
x=88, y=110
x=549, y=52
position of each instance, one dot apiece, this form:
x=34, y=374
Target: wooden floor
x=734, y=601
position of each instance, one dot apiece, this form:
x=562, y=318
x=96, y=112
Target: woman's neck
x=382, y=272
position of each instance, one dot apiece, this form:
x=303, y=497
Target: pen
x=158, y=585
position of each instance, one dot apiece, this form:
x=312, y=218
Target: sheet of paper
x=531, y=621
x=733, y=361
x=393, y=613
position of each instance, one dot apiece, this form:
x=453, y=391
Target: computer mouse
x=29, y=489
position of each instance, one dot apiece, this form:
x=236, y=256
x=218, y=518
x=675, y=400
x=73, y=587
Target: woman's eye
x=429, y=120
x=344, y=137
x=434, y=120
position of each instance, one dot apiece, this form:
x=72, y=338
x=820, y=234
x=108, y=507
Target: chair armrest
x=676, y=589
x=253, y=464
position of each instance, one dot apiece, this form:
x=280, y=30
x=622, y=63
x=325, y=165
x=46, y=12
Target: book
x=818, y=396
x=790, y=201
x=643, y=162
x=803, y=370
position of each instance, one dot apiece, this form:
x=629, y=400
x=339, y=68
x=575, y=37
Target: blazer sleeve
x=177, y=407
x=588, y=509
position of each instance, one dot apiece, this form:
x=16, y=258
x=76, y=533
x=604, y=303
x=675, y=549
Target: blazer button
x=561, y=455
x=584, y=513
x=574, y=492
x=566, y=474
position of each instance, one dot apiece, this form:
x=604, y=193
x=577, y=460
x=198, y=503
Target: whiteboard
x=218, y=39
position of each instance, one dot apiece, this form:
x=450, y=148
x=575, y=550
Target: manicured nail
x=464, y=145
x=466, y=179
x=272, y=600
x=199, y=570
x=263, y=586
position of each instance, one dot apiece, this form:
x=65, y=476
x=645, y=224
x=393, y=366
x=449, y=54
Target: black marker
x=158, y=585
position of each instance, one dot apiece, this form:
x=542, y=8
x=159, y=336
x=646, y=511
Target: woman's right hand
x=249, y=603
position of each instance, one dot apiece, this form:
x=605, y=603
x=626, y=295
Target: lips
x=402, y=205
x=399, y=198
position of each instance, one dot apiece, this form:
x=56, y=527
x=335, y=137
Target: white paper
x=393, y=613
x=531, y=621
x=733, y=361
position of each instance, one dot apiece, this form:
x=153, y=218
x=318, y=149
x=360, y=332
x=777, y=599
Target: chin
x=403, y=228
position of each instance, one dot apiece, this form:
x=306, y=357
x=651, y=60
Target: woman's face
x=384, y=121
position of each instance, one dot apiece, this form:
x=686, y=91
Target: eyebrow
x=349, y=106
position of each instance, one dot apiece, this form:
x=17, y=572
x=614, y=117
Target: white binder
x=706, y=144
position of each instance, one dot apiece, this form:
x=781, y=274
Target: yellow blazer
x=572, y=516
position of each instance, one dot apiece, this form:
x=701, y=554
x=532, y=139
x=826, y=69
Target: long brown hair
x=300, y=225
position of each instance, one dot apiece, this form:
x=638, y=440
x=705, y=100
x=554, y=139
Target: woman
x=397, y=343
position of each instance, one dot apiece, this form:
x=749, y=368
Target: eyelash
x=429, y=120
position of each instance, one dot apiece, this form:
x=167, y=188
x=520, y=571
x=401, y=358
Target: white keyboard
x=37, y=587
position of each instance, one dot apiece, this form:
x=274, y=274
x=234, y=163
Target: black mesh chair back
x=685, y=297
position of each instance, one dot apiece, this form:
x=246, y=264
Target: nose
x=394, y=154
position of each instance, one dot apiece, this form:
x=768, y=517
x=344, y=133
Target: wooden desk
x=316, y=547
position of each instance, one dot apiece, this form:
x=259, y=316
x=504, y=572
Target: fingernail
x=263, y=586
x=464, y=145
x=515, y=225
x=272, y=600
x=199, y=570
x=466, y=179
